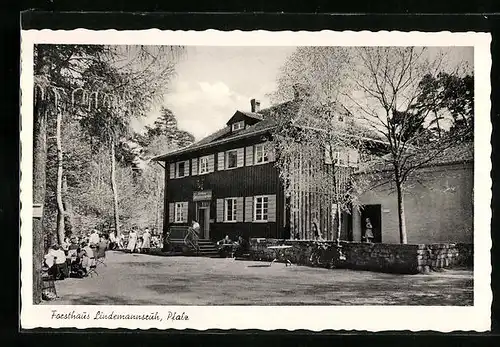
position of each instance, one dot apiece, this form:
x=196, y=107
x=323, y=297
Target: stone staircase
x=207, y=248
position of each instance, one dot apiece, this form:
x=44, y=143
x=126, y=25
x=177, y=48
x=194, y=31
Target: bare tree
x=385, y=86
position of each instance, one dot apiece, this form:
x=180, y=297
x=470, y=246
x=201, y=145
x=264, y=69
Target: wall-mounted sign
x=386, y=210
x=202, y=195
x=37, y=210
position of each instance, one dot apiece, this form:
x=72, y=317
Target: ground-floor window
x=261, y=204
x=230, y=206
x=180, y=212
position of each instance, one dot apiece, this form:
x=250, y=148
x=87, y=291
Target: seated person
x=241, y=247
x=225, y=241
x=86, y=254
x=113, y=244
x=55, y=259
x=225, y=246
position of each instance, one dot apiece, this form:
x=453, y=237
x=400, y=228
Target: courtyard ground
x=137, y=279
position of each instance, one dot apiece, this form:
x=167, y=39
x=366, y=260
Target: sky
x=211, y=83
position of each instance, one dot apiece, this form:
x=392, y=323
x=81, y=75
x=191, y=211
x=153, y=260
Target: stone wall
x=443, y=255
x=380, y=257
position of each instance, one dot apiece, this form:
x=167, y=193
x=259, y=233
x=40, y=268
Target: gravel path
x=136, y=279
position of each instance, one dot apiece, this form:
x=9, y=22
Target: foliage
x=396, y=96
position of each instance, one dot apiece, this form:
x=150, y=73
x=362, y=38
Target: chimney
x=255, y=105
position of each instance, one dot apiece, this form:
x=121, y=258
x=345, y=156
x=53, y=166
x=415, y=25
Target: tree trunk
x=158, y=201
x=115, y=190
x=437, y=124
x=401, y=214
x=339, y=224
x=59, y=199
x=68, y=209
x=39, y=186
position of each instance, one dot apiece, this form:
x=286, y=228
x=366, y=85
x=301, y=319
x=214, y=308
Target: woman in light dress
x=146, y=240
x=132, y=239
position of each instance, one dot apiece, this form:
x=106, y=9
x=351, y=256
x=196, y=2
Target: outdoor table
x=227, y=248
x=277, y=249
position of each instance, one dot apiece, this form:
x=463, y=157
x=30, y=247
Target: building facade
x=228, y=182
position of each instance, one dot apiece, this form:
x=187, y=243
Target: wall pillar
x=356, y=225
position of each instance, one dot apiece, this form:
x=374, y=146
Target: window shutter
x=194, y=166
x=171, y=212
x=271, y=208
x=220, y=210
x=271, y=153
x=239, y=209
x=220, y=161
x=343, y=157
x=249, y=156
x=185, y=211
x=241, y=157
x=172, y=170
x=353, y=157
x=211, y=163
x=249, y=209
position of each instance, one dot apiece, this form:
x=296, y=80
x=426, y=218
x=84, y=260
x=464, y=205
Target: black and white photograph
x=255, y=179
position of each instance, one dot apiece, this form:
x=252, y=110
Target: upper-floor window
x=231, y=159
x=238, y=125
x=203, y=165
x=344, y=157
x=261, y=204
x=182, y=169
x=261, y=154
x=230, y=210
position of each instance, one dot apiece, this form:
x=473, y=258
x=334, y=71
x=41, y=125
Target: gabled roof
x=222, y=136
x=263, y=122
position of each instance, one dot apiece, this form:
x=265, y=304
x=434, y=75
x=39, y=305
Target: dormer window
x=238, y=125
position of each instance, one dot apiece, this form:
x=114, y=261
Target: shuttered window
x=220, y=210
x=249, y=156
x=231, y=159
x=260, y=208
x=230, y=208
x=239, y=209
x=248, y=209
x=261, y=154
x=172, y=171
x=204, y=168
x=261, y=205
x=220, y=161
x=241, y=157
x=194, y=166
x=171, y=212
x=182, y=169
x=211, y=163
x=180, y=212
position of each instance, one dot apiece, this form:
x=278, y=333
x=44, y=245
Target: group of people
x=75, y=255
x=233, y=249
x=140, y=243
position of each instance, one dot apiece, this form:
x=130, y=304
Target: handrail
x=191, y=239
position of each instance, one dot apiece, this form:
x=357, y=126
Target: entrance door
x=204, y=219
x=374, y=212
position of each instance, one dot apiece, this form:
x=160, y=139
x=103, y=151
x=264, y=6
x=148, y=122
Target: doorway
x=203, y=215
x=374, y=212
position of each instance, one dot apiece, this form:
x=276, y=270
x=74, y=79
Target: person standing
x=94, y=238
x=132, y=240
x=196, y=227
x=146, y=240
x=368, y=231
